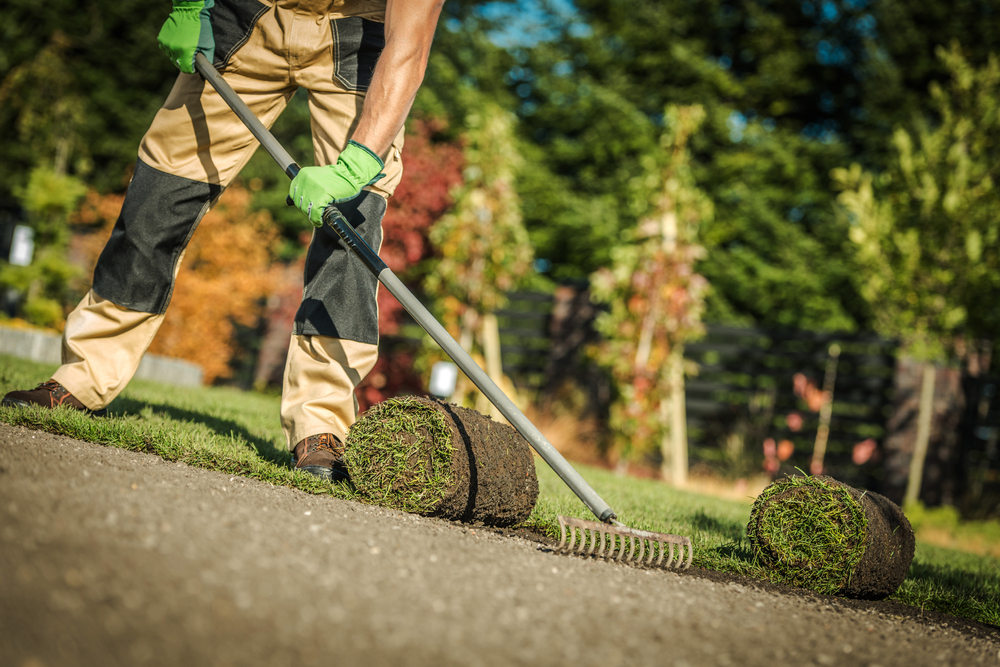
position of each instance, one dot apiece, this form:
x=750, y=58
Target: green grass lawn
x=238, y=433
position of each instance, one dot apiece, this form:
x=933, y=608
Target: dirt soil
x=502, y=486
x=109, y=557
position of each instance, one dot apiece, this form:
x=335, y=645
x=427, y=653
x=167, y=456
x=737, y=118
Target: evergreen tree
x=592, y=104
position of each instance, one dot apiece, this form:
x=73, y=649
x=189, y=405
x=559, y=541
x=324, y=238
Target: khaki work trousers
x=195, y=136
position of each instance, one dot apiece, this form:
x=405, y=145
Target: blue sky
x=527, y=22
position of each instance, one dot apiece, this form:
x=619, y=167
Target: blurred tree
x=927, y=230
x=482, y=248
x=44, y=285
x=654, y=304
x=110, y=79
x=47, y=115
x=928, y=227
x=900, y=63
x=592, y=102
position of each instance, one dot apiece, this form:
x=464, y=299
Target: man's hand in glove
x=186, y=32
x=315, y=188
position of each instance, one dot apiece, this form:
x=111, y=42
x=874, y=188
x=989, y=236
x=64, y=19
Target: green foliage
x=927, y=229
x=593, y=105
x=49, y=198
x=774, y=249
x=47, y=111
x=82, y=83
x=45, y=284
x=654, y=298
x=900, y=62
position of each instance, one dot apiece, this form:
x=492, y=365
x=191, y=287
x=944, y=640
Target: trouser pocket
x=357, y=44
x=232, y=23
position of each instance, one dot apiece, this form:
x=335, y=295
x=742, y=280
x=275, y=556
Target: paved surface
x=109, y=557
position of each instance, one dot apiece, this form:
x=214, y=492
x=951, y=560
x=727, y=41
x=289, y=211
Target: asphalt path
x=110, y=557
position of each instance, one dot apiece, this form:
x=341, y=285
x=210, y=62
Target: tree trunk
x=494, y=366
x=923, y=435
x=674, y=447
x=825, y=412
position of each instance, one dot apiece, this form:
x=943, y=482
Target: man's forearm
x=400, y=70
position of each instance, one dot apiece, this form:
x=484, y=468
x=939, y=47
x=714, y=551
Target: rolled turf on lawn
x=818, y=533
x=425, y=456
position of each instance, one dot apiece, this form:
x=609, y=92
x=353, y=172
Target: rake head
x=615, y=539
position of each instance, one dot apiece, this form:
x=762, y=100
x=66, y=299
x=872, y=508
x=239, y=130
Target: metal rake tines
x=619, y=542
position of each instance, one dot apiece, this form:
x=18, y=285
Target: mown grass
x=238, y=433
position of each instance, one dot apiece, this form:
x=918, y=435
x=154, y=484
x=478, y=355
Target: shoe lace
x=329, y=444
x=325, y=445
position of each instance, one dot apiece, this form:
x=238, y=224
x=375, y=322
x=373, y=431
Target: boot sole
x=329, y=474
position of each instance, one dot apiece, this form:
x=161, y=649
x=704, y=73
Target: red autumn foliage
x=430, y=171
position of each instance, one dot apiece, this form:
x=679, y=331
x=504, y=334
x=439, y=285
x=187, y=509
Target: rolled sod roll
x=425, y=456
x=818, y=533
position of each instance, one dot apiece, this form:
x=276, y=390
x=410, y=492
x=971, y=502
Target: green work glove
x=315, y=188
x=187, y=32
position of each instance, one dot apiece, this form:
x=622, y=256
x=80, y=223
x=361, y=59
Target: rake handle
x=336, y=221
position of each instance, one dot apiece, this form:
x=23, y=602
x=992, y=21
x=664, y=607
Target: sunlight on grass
x=238, y=433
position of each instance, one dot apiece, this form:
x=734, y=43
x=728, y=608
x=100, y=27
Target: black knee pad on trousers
x=340, y=292
x=161, y=211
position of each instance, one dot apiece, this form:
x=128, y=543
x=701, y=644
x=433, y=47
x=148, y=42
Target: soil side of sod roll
x=819, y=533
x=426, y=456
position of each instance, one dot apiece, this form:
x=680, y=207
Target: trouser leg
x=191, y=152
x=335, y=334
x=335, y=337
x=94, y=369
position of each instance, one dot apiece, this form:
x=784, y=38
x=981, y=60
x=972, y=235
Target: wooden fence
x=743, y=391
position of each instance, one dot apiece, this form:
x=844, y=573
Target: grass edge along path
x=210, y=428
x=172, y=445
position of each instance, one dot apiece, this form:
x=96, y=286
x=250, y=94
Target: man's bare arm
x=409, y=31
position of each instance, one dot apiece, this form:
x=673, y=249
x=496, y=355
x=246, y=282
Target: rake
x=609, y=528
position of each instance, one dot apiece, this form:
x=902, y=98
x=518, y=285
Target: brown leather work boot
x=321, y=455
x=49, y=394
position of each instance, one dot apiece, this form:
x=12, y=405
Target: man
x=362, y=62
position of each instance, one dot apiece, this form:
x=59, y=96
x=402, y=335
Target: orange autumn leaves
x=224, y=278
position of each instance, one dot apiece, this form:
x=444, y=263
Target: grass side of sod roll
x=412, y=469
x=239, y=433
x=809, y=534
